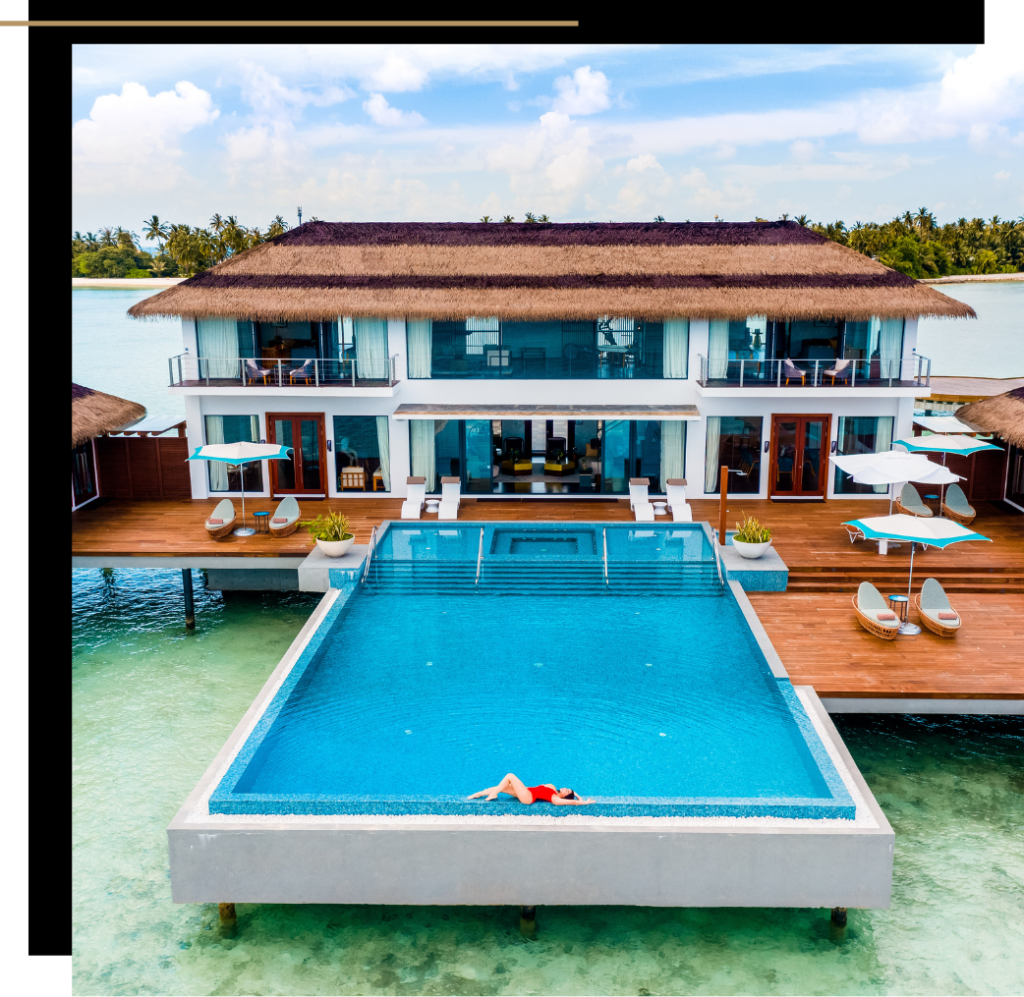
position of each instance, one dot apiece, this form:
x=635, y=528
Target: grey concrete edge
x=876, y=811
x=233, y=563
x=759, y=632
x=241, y=731
x=964, y=707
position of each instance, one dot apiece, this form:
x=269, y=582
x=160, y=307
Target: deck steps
x=994, y=580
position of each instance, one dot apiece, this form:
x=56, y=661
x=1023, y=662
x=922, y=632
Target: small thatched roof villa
x=93, y=414
x=549, y=360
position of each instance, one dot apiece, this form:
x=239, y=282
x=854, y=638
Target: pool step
x=996, y=580
x=546, y=578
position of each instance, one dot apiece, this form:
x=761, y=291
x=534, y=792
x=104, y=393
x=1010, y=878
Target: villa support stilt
x=528, y=920
x=839, y=916
x=227, y=914
x=190, y=613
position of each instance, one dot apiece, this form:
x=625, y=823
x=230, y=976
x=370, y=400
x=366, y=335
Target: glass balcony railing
x=186, y=371
x=907, y=372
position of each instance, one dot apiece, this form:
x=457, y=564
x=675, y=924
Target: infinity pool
x=407, y=701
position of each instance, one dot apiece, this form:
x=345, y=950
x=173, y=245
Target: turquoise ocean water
x=152, y=705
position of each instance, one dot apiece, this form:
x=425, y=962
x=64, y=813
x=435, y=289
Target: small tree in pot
x=751, y=539
x=331, y=533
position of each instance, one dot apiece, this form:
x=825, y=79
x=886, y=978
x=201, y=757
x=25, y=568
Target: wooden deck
x=811, y=625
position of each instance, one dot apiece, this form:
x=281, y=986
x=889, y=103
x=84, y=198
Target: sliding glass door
x=305, y=473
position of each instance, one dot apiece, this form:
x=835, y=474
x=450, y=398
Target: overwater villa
x=549, y=361
x=93, y=414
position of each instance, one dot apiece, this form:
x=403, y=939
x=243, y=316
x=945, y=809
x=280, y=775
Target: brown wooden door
x=799, y=467
x=306, y=472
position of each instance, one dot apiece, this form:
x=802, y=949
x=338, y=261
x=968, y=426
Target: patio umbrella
x=944, y=444
x=913, y=529
x=892, y=467
x=240, y=453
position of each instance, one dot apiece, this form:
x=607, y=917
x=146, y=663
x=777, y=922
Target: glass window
x=362, y=442
x=736, y=443
x=857, y=435
x=234, y=429
x=83, y=473
x=615, y=454
x=479, y=456
x=817, y=339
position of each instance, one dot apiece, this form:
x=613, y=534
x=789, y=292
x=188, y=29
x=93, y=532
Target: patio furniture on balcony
x=956, y=506
x=675, y=489
x=221, y=521
x=638, y=501
x=450, y=496
x=285, y=520
x=353, y=477
x=790, y=369
x=873, y=612
x=417, y=491
x=910, y=502
x=305, y=372
x=254, y=372
x=843, y=369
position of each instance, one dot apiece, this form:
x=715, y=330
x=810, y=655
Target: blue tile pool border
x=224, y=800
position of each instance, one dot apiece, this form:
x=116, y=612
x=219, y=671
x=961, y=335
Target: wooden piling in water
x=190, y=613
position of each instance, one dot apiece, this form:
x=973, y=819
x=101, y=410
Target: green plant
x=332, y=528
x=137, y=273
x=750, y=531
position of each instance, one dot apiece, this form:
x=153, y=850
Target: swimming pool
x=643, y=687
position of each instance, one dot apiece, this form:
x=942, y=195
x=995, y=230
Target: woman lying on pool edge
x=514, y=786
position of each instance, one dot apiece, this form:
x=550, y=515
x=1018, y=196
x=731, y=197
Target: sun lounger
x=854, y=532
x=286, y=517
x=873, y=612
x=910, y=503
x=956, y=506
x=638, y=501
x=222, y=520
x=935, y=611
x=417, y=491
x=675, y=490
x=450, y=495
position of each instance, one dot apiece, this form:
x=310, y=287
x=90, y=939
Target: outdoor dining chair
x=790, y=369
x=305, y=372
x=254, y=371
x=842, y=369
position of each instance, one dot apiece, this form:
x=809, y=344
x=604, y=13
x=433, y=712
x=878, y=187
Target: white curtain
x=883, y=442
x=384, y=450
x=890, y=344
x=673, y=449
x=718, y=348
x=422, y=442
x=218, y=471
x=714, y=433
x=418, y=344
x=371, y=347
x=676, y=347
x=218, y=342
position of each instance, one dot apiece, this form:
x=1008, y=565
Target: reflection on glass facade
x=362, y=461
x=736, y=443
x=859, y=435
x=234, y=429
x=83, y=473
x=546, y=457
x=569, y=350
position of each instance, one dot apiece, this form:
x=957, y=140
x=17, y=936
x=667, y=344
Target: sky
x=580, y=133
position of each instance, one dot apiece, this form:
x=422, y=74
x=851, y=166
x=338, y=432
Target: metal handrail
x=606, y=555
x=369, y=553
x=479, y=556
x=718, y=563
x=770, y=371
x=280, y=370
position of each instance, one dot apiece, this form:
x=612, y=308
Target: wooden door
x=799, y=446
x=306, y=472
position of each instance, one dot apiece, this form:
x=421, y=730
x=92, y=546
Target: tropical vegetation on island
x=913, y=243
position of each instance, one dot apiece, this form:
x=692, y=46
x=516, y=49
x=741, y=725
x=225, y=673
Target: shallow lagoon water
x=153, y=705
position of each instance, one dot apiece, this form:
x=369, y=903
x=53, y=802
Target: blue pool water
x=408, y=700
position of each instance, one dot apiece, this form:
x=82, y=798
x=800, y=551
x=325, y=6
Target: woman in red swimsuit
x=514, y=786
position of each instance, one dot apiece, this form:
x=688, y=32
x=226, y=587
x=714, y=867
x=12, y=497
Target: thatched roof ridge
x=1002, y=414
x=534, y=272
x=94, y=413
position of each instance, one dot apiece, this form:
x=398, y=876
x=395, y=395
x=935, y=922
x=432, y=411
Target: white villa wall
x=254, y=400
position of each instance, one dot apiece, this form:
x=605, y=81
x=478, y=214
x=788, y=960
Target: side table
x=262, y=521
x=900, y=605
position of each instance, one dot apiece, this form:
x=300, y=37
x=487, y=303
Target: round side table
x=432, y=505
x=660, y=508
x=900, y=605
x=262, y=520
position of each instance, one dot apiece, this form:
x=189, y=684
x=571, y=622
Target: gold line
x=289, y=24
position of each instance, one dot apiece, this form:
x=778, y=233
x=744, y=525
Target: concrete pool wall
x=530, y=859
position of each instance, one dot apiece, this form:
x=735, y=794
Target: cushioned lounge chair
x=910, y=503
x=450, y=494
x=873, y=612
x=842, y=369
x=638, y=501
x=956, y=506
x=286, y=517
x=790, y=369
x=254, y=372
x=935, y=611
x=675, y=491
x=417, y=492
x=854, y=533
x=222, y=520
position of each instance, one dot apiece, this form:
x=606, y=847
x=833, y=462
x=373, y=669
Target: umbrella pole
x=906, y=627
x=243, y=530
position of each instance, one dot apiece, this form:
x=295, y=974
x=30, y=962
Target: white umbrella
x=944, y=444
x=240, y=453
x=892, y=467
x=931, y=532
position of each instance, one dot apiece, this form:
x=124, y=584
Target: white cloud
x=648, y=184
x=132, y=139
x=396, y=74
x=268, y=96
x=1001, y=175
x=802, y=151
x=585, y=92
x=382, y=113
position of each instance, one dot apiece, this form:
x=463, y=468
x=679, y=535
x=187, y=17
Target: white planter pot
x=336, y=548
x=750, y=550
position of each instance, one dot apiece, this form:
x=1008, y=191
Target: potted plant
x=751, y=539
x=331, y=533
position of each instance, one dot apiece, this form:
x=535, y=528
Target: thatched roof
x=94, y=413
x=538, y=271
x=1003, y=414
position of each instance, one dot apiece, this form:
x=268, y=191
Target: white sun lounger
x=638, y=501
x=450, y=495
x=910, y=502
x=417, y=492
x=675, y=489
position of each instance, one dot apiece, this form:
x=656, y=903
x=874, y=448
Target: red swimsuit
x=541, y=793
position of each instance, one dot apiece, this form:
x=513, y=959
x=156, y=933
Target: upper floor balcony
x=186, y=371
x=913, y=372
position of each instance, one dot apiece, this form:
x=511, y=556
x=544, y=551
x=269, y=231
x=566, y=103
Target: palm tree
x=530, y=218
x=155, y=231
x=507, y=219
x=782, y=218
x=486, y=218
x=277, y=227
x=217, y=223
x=802, y=220
x=107, y=237
x=661, y=218
x=125, y=239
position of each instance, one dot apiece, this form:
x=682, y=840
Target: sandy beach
x=125, y=281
